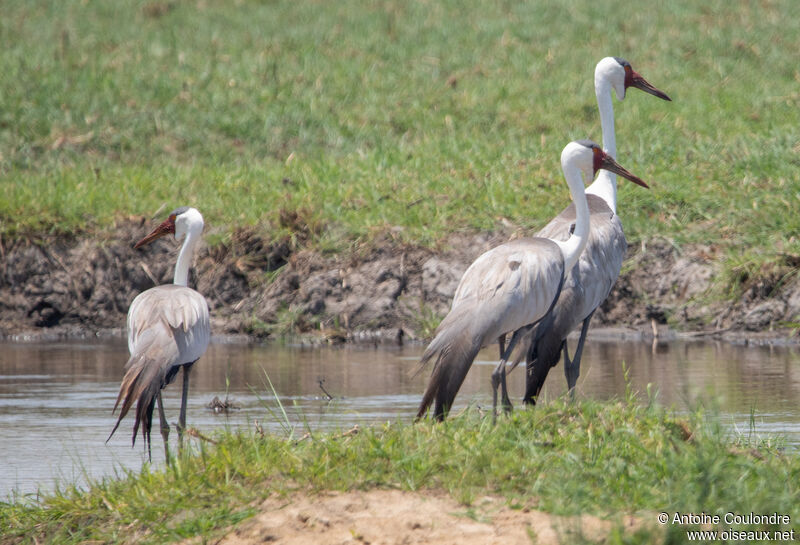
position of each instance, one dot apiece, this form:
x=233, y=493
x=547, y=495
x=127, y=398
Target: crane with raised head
x=168, y=330
x=509, y=287
x=588, y=283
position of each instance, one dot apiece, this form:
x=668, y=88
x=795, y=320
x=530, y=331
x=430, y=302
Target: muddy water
x=56, y=399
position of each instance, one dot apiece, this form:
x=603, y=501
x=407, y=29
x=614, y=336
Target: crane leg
x=507, y=406
x=499, y=377
x=568, y=370
x=164, y=425
x=503, y=356
x=184, y=396
x=495, y=384
x=572, y=368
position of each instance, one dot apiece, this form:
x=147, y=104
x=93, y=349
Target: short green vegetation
x=610, y=459
x=398, y=119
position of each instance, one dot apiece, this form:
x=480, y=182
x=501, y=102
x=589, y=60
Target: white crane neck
x=571, y=248
x=184, y=262
x=605, y=186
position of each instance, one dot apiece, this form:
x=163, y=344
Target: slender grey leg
x=507, y=407
x=501, y=341
x=495, y=384
x=182, y=415
x=164, y=425
x=149, y=451
x=499, y=377
x=572, y=369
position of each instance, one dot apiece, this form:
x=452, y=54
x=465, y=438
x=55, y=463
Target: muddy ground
x=68, y=287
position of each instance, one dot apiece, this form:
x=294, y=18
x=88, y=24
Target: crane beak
x=608, y=163
x=167, y=227
x=636, y=80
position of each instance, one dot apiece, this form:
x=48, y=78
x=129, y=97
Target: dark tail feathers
x=143, y=379
x=456, y=346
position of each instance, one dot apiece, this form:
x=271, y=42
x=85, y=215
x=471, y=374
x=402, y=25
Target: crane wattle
x=629, y=74
x=597, y=159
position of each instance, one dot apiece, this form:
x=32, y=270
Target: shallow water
x=56, y=398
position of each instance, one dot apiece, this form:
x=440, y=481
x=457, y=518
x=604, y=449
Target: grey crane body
x=586, y=286
x=502, y=290
x=168, y=330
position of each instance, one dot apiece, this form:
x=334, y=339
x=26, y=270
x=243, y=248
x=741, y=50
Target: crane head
x=168, y=226
x=601, y=160
x=621, y=75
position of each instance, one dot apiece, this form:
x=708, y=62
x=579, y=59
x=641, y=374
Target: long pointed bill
x=612, y=166
x=167, y=227
x=642, y=84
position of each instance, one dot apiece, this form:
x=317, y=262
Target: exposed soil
x=83, y=287
x=392, y=517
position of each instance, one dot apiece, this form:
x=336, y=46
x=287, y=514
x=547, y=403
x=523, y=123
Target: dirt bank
x=395, y=517
x=83, y=286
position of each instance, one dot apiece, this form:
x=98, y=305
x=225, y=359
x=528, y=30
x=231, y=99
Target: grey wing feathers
x=493, y=270
x=560, y=227
x=604, y=253
x=179, y=313
x=514, y=268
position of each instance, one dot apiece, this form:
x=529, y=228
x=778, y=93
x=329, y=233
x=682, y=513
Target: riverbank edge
x=385, y=292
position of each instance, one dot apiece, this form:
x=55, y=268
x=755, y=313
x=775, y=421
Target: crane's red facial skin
x=166, y=228
x=634, y=79
x=597, y=159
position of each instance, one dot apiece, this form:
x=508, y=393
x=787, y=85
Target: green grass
x=402, y=119
x=608, y=459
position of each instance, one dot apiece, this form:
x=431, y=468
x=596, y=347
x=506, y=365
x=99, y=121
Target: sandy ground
x=393, y=517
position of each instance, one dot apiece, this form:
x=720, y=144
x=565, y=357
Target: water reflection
x=56, y=398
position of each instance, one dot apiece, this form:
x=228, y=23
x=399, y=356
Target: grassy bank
x=609, y=459
x=407, y=119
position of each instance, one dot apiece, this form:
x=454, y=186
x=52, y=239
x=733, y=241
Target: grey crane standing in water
x=168, y=330
x=588, y=284
x=509, y=287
